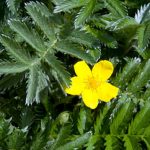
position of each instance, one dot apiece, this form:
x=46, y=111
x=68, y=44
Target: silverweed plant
x=107, y=106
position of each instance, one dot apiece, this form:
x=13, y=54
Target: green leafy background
x=40, y=41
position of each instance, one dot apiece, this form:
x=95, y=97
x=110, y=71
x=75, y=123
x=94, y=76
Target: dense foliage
x=40, y=42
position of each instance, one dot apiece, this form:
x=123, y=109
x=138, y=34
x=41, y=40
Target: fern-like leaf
x=143, y=33
x=116, y=7
x=131, y=143
x=66, y=5
x=16, y=140
x=57, y=66
x=31, y=37
x=61, y=137
x=79, y=141
x=83, y=38
x=11, y=67
x=141, y=121
x=127, y=73
x=94, y=139
x=15, y=50
x=99, y=119
x=41, y=17
x=32, y=85
x=141, y=79
x=122, y=23
x=143, y=14
x=112, y=143
x=122, y=117
x=69, y=48
x=13, y=5
x=11, y=80
x=81, y=121
x=85, y=12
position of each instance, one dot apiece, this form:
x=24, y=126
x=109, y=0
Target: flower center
x=92, y=83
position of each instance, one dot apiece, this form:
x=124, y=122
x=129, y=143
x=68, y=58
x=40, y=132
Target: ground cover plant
x=41, y=42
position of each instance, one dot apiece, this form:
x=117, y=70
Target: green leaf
x=131, y=143
x=122, y=116
x=11, y=67
x=72, y=49
x=82, y=120
x=15, y=50
x=76, y=143
x=61, y=137
x=143, y=14
x=147, y=141
x=66, y=5
x=57, y=66
x=11, y=80
x=13, y=5
x=37, y=82
x=31, y=37
x=94, y=139
x=141, y=79
x=141, y=120
x=40, y=14
x=16, y=140
x=143, y=33
x=125, y=76
x=84, y=13
x=116, y=7
x=112, y=143
x=83, y=38
x=32, y=85
x=104, y=37
x=146, y=94
x=100, y=118
x=122, y=23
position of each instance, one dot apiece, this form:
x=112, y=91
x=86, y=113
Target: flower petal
x=106, y=92
x=102, y=70
x=82, y=70
x=90, y=98
x=76, y=86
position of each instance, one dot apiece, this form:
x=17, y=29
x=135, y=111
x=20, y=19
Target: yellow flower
x=92, y=85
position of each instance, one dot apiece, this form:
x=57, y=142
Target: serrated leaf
x=83, y=38
x=130, y=69
x=116, y=7
x=39, y=13
x=143, y=14
x=32, y=85
x=81, y=121
x=131, y=143
x=141, y=121
x=100, y=118
x=61, y=137
x=141, y=79
x=58, y=67
x=10, y=81
x=13, y=5
x=112, y=143
x=31, y=37
x=122, y=23
x=92, y=142
x=16, y=51
x=66, y=5
x=122, y=117
x=72, y=49
x=79, y=141
x=143, y=33
x=84, y=13
x=11, y=67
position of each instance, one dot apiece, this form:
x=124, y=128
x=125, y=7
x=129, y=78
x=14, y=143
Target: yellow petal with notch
x=102, y=70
